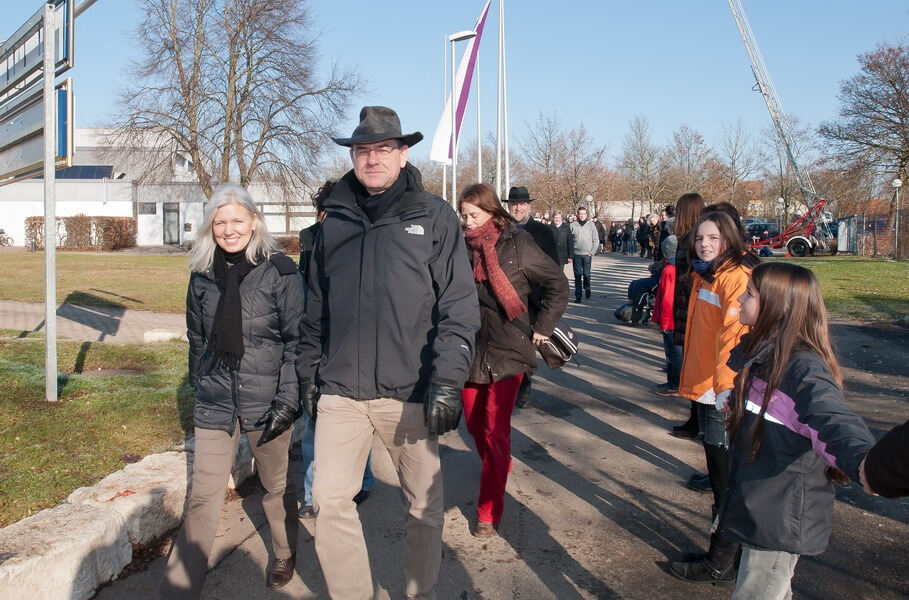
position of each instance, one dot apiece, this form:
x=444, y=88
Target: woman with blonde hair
x=243, y=309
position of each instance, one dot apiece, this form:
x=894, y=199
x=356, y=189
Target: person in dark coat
x=601, y=232
x=507, y=267
x=308, y=437
x=519, y=206
x=243, y=310
x=385, y=347
x=885, y=471
x=563, y=239
x=643, y=237
x=627, y=235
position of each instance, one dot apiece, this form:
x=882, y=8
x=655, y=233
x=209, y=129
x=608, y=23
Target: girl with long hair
x=720, y=266
x=687, y=210
x=507, y=264
x=793, y=435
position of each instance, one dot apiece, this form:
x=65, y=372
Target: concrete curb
x=68, y=551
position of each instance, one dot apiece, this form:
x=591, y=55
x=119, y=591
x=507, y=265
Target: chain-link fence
x=875, y=235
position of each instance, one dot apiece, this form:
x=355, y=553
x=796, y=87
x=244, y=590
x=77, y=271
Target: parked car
x=762, y=231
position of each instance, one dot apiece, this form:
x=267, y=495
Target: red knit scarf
x=482, y=241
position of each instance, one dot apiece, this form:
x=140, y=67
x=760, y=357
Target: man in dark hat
x=386, y=343
x=519, y=205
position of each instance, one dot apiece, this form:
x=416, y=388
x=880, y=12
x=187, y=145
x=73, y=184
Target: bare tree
x=688, y=154
x=741, y=159
x=778, y=170
x=874, y=115
x=232, y=85
x=582, y=165
x=645, y=164
x=543, y=150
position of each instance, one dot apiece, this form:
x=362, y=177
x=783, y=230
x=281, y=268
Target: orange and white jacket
x=713, y=330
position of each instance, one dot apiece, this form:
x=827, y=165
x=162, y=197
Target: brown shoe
x=280, y=572
x=484, y=529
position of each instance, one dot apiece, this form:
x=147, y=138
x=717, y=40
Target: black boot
x=718, y=471
x=701, y=570
x=524, y=392
x=689, y=429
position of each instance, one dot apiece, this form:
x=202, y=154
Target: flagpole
x=505, y=99
x=444, y=100
x=454, y=128
x=499, y=107
x=479, y=137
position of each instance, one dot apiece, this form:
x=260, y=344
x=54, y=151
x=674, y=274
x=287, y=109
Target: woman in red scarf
x=507, y=264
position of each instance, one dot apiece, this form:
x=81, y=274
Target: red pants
x=487, y=410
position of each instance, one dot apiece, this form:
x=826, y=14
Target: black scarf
x=226, y=342
x=377, y=205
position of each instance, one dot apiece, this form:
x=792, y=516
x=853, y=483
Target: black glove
x=276, y=420
x=309, y=397
x=442, y=408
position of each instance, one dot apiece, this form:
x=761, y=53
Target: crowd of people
x=403, y=314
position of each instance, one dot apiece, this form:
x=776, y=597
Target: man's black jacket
x=390, y=305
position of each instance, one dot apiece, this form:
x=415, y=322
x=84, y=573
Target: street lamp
x=455, y=93
x=897, y=183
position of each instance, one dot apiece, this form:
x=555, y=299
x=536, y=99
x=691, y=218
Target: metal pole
x=896, y=236
x=50, y=217
x=505, y=99
x=444, y=100
x=499, y=109
x=454, y=132
x=476, y=72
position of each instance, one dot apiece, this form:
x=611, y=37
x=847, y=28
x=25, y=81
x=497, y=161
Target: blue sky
x=593, y=62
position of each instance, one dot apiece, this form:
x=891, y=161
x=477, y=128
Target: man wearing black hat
x=519, y=205
x=386, y=343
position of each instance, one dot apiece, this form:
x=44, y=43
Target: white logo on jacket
x=414, y=229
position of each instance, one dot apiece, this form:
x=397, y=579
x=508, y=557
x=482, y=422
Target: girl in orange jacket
x=720, y=267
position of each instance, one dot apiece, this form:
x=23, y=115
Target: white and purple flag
x=441, y=141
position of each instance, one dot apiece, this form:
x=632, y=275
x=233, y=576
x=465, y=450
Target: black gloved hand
x=276, y=420
x=309, y=397
x=442, y=408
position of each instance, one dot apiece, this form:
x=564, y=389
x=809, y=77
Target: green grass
x=154, y=283
x=864, y=289
x=47, y=450
x=6, y=334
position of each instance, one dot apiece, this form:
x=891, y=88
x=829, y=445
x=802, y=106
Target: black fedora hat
x=378, y=123
x=518, y=193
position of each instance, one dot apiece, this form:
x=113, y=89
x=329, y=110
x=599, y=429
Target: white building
x=165, y=213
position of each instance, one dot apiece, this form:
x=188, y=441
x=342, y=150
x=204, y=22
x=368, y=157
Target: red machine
x=808, y=234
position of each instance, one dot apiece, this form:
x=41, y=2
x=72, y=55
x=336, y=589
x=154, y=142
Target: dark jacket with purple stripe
x=782, y=500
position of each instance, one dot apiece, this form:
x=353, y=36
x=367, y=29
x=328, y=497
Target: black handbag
x=558, y=349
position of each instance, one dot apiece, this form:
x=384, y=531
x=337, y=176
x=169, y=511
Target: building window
x=147, y=208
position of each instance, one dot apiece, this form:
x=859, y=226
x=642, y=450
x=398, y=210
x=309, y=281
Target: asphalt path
x=596, y=505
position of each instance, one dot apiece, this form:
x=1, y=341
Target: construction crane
x=810, y=232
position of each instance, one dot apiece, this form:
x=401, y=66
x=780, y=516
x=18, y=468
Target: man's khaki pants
x=344, y=430
x=212, y=461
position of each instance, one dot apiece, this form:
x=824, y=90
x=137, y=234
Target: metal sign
x=21, y=55
x=22, y=129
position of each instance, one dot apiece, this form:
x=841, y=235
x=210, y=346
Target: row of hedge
x=84, y=233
